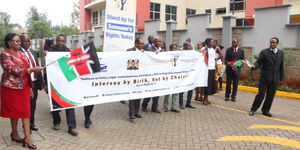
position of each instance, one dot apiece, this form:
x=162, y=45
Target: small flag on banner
x=79, y=62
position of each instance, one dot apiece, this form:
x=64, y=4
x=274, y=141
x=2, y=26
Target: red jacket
x=14, y=70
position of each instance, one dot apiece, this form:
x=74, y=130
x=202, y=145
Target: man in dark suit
x=134, y=105
x=70, y=113
x=233, y=53
x=37, y=78
x=271, y=61
x=155, y=48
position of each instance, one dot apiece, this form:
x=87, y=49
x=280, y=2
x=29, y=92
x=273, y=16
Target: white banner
x=125, y=76
x=119, y=29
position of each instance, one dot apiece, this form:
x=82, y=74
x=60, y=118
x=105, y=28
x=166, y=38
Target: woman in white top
x=211, y=84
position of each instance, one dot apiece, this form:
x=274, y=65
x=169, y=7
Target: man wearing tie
x=233, y=53
x=271, y=61
x=37, y=78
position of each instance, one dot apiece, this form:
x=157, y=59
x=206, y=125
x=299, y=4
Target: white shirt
x=211, y=59
x=31, y=65
x=274, y=50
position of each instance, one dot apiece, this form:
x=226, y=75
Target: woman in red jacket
x=15, y=88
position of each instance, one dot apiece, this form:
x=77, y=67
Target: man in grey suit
x=37, y=78
x=271, y=61
x=134, y=105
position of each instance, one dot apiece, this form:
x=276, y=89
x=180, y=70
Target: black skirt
x=211, y=83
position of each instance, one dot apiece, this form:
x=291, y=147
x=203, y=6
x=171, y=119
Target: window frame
x=237, y=2
x=171, y=14
x=155, y=13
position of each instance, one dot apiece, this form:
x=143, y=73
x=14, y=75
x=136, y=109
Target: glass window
x=101, y=16
x=95, y=17
x=190, y=11
x=221, y=11
x=171, y=13
x=154, y=11
x=208, y=11
x=237, y=5
x=241, y=22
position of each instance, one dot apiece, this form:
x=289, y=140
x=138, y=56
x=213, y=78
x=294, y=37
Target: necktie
x=235, y=52
x=31, y=62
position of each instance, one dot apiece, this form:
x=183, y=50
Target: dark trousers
x=189, y=98
x=70, y=115
x=268, y=89
x=134, y=106
x=220, y=80
x=33, y=105
x=154, y=102
x=87, y=112
x=234, y=79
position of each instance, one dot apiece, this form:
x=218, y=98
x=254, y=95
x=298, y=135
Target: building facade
x=92, y=12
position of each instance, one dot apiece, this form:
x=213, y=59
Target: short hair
x=172, y=46
x=137, y=39
x=156, y=38
x=8, y=38
x=207, y=41
x=275, y=38
x=61, y=35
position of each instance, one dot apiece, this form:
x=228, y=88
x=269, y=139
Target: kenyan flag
x=79, y=62
x=239, y=63
x=205, y=53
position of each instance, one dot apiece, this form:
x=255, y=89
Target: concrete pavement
x=221, y=126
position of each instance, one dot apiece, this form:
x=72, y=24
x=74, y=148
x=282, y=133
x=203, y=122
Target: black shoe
x=33, y=127
x=87, y=124
x=73, y=132
x=138, y=116
x=190, y=106
x=175, y=110
x=123, y=102
x=131, y=117
x=226, y=98
x=251, y=113
x=267, y=114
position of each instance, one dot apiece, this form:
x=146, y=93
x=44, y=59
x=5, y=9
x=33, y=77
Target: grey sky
x=58, y=11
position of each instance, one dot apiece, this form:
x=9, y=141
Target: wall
x=251, y=4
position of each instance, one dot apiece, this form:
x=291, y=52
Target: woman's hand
x=36, y=69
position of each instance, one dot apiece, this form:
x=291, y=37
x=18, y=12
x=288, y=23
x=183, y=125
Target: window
x=237, y=5
x=190, y=11
x=241, y=22
x=101, y=16
x=221, y=11
x=95, y=17
x=208, y=11
x=154, y=11
x=171, y=12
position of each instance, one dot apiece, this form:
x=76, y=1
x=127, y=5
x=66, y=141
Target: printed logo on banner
x=133, y=64
x=103, y=66
x=121, y=4
x=174, y=61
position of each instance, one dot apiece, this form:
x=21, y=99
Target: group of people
x=22, y=78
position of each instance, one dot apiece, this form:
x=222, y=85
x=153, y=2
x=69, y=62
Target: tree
x=39, y=29
x=75, y=15
x=34, y=15
x=6, y=26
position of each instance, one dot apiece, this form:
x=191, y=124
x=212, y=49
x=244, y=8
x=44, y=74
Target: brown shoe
x=73, y=132
x=157, y=111
x=144, y=109
x=226, y=98
x=56, y=127
x=233, y=99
